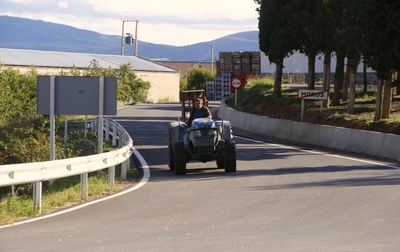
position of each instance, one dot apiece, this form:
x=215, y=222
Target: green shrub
x=196, y=78
x=17, y=95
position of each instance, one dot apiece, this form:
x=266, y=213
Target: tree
x=336, y=11
x=130, y=88
x=309, y=19
x=276, y=38
x=382, y=47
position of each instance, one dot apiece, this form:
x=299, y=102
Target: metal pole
x=235, y=97
x=136, y=38
x=302, y=111
x=52, y=118
x=122, y=39
x=101, y=116
x=37, y=186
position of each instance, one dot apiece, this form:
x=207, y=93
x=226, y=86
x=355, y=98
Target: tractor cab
x=188, y=98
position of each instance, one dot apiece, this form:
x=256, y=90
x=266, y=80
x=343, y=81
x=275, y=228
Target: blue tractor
x=204, y=140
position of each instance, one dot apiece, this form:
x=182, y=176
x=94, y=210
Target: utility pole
x=212, y=58
x=122, y=36
x=136, y=38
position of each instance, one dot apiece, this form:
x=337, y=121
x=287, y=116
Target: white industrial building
x=164, y=80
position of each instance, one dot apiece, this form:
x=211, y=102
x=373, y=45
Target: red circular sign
x=236, y=83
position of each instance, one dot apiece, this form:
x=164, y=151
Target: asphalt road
x=281, y=199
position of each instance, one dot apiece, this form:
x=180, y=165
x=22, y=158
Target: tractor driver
x=199, y=111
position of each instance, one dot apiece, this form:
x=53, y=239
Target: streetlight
x=136, y=36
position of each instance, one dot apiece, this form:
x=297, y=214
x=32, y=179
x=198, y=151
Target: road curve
x=281, y=199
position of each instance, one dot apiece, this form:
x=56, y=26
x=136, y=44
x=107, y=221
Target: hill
x=22, y=33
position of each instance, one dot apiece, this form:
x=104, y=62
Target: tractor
x=204, y=140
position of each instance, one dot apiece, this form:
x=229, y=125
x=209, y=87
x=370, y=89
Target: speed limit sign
x=236, y=83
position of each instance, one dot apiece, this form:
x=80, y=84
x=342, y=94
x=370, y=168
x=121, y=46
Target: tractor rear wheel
x=171, y=163
x=230, y=156
x=179, y=158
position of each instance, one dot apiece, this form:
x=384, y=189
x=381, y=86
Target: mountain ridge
x=24, y=33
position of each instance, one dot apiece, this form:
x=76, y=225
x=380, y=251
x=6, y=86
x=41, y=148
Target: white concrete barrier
x=344, y=139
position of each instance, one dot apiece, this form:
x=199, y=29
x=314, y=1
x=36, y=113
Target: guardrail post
x=111, y=175
x=125, y=140
x=124, y=170
x=107, y=130
x=114, y=137
x=84, y=186
x=86, y=127
x=66, y=129
x=120, y=138
x=37, y=196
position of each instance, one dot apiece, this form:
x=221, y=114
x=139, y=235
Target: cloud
x=175, y=22
x=21, y=1
x=63, y=4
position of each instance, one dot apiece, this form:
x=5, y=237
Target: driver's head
x=198, y=103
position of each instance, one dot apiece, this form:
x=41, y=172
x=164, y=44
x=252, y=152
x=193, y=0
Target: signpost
x=311, y=95
x=236, y=84
x=75, y=95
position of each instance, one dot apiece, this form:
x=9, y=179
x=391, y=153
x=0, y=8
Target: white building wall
x=164, y=85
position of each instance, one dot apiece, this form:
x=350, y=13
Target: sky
x=171, y=22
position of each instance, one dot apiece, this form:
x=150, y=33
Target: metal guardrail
x=16, y=174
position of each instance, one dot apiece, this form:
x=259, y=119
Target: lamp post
x=122, y=36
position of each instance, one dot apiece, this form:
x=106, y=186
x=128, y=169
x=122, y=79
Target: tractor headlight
x=211, y=132
x=197, y=132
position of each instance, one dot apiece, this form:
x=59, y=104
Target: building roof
x=18, y=57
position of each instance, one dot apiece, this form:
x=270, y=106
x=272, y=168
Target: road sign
x=313, y=94
x=236, y=83
x=76, y=95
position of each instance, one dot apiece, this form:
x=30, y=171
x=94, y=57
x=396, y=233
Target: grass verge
x=63, y=193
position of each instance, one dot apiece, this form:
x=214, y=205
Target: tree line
x=23, y=133
x=356, y=31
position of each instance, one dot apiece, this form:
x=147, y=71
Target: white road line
x=322, y=153
x=142, y=182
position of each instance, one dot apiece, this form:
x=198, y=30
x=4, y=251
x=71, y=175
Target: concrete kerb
x=305, y=133
x=341, y=138
x=344, y=139
x=374, y=144
x=391, y=146
x=358, y=140
x=280, y=128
